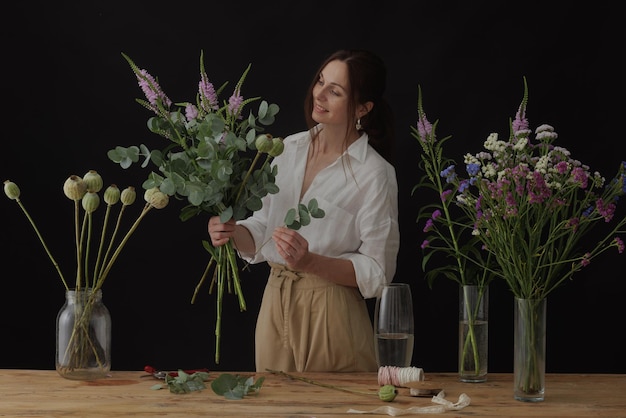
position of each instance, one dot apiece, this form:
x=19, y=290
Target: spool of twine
x=399, y=376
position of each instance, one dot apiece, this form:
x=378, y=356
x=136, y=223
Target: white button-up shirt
x=360, y=199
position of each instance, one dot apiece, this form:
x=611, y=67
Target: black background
x=68, y=96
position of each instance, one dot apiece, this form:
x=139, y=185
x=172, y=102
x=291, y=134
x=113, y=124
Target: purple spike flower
x=191, y=112
x=152, y=90
x=208, y=96
x=234, y=102
x=520, y=123
x=424, y=127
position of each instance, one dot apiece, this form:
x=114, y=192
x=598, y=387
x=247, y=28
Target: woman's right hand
x=220, y=232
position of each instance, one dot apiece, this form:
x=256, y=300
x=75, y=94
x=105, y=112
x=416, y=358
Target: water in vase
x=394, y=349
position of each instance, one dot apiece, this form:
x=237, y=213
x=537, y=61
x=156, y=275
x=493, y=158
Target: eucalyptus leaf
x=185, y=382
x=196, y=195
x=254, y=203
x=145, y=152
x=318, y=213
x=235, y=386
x=271, y=188
x=168, y=187
x=226, y=214
x=305, y=218
x=290, y=217
x=263, y=108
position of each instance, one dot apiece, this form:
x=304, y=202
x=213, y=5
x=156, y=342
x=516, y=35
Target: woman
x=313, y=315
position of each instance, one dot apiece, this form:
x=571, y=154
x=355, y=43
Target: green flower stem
x=444, y=205
x=226, y=271
x=220, y=271
x=202, y=279
x=102, y=236
x=115, y=231
x=81, y=342
x=89, y=220
x=98, y=283
x=45, y=246
x=470, y=340
x=232, y=258
x=78, y=243
x=530, y=377
x=247, y=176
x=324, y=385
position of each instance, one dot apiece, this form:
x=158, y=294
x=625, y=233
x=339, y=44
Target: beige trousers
x=307, y=323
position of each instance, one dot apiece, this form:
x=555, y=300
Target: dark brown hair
x=367, y=75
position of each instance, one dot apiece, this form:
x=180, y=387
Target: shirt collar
x=358, y=149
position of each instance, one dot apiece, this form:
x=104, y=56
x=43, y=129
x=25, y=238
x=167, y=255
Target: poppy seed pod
x=74, y=187
x=128, y=196
x=159, y=200
x=387, y=393
x=277, y=147
x=11, y=190
x=263, y=143
x=148, y=193
x=93, y=180
x=90, y=202
x=112, y=195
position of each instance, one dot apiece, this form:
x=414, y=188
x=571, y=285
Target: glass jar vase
x=83, y=336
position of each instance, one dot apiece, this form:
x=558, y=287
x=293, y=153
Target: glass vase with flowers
x=531, y=205
x=449, y=237
x=83, y=350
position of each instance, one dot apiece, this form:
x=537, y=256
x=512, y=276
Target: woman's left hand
x=292, y=247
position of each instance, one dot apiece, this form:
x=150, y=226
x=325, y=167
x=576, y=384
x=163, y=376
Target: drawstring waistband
x=286, y=277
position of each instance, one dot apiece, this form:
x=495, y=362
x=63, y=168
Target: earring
x=358, y=125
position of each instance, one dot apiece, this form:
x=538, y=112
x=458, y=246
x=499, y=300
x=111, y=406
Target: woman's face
x=331, y=95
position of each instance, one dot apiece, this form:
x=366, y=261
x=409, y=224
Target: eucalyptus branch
x=297, y=218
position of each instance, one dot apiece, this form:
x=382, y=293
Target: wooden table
x=43, y=393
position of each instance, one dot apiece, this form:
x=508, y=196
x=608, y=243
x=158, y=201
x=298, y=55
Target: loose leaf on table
x=184, y=382
x=236, y=386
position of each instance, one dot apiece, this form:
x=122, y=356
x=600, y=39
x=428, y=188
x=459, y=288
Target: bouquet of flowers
x=530, y=204
x=215, y=158
x=83, y=351
x=450, y=234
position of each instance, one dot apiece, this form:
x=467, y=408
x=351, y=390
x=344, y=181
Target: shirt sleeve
x=376, y=259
